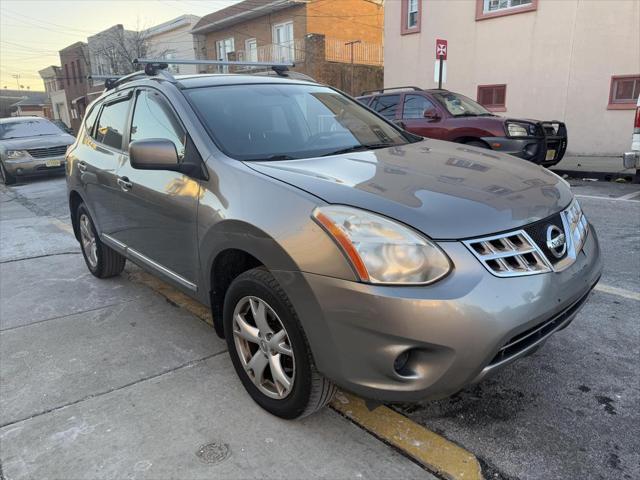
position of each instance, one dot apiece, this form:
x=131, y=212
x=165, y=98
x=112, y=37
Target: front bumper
x=32, y=166
x=454, y=329
x=546, y=149
x=631, y=159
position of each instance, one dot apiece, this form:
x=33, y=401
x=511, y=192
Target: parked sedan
x=31, y=146
x=451, y=116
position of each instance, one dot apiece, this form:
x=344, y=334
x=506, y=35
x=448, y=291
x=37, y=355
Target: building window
x=623, y=92
x=411, y=16
x=493, y=97
x=80, y=74
x=499, y=8
x=73, y=69
x=66, y=73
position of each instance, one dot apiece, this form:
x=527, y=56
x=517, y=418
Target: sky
x=33, y=31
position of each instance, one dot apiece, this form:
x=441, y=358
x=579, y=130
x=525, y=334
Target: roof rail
x=381, y=90
x=279, y=68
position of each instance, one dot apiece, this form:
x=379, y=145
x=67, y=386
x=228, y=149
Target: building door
x=224, y=48
x=283, y=40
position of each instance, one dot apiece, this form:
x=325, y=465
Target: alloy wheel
x=89, y=245
x=264, y=347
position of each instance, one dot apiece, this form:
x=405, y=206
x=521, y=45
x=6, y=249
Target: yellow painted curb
x=434, y=452
x=140, y=276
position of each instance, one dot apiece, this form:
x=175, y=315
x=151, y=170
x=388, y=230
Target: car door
x=99, y=156
x=421, y=116
x=160, y=206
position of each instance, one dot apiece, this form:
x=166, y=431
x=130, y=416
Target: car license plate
x=52, y=163
x=551, y=154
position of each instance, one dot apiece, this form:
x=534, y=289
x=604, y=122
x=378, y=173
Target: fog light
x=400, y=363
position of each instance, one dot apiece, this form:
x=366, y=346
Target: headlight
x=381, y=250
x=517, y=130
x=17, y=153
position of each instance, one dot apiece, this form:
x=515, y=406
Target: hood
x=43, y=141
x=445, y=190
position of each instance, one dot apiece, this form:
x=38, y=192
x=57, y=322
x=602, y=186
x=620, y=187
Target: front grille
x=57, y=151
x=526, y=251
x=538, y=233
x=509, y=254
x=535, y=334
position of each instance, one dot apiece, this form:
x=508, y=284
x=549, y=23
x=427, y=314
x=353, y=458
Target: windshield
x=279, y=122
x=461, y=106
x=27, y=128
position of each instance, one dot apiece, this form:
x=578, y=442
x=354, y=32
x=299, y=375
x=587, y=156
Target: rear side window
x=415, y=106
x=154, y=118
x=112, y=123
x=386, y=105
x=90, y=120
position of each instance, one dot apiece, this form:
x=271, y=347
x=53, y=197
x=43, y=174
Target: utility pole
x=351, y=44
x=17, y=77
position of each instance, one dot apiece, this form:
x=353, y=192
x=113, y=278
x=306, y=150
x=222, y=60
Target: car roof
x=407, y=90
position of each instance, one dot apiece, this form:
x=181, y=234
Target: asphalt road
x=570, y=411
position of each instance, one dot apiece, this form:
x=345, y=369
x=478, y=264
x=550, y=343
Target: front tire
x=102, y=261
x=7, y=178
x=269, y=349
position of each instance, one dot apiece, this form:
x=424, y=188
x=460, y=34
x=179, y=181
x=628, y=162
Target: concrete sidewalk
x=107, y=379
x=601, y=168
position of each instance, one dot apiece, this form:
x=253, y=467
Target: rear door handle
x=124, y=183
x=82, y=166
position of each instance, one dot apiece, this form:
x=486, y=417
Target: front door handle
x=82, y=166
x=124, y=183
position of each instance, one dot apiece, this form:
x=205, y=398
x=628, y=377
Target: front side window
x=624, y=91
x=460, y=106
x=28, y=128
x=415, y=106
x=278, y=122
x=386, y=105
x=112, y=124
x=154, y=118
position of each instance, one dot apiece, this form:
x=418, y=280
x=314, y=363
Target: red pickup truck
x=451, y=116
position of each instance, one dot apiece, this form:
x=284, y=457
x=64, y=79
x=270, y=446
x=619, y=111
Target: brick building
x=310, y=33
x=74, y=61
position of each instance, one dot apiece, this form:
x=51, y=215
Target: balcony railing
x=363, y=53
x=287, y=52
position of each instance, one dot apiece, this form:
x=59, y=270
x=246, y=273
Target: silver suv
x=334, y=248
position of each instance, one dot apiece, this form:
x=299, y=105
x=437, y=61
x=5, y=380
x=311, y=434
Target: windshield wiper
x=271, y=157
x=359, y=148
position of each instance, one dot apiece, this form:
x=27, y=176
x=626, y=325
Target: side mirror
x=431, y=114
x=153, y=154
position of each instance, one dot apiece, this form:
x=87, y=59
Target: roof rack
x=381, y=90
x=159, y=64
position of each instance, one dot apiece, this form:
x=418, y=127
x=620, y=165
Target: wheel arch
x=75, y=199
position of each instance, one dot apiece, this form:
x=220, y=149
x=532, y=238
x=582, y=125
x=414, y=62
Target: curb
x=604, y=176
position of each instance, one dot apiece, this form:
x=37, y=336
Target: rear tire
x=7, y=178
x=256, y=291
x=102, y=261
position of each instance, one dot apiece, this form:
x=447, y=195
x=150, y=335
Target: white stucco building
x=173, y=40
x=571, y=60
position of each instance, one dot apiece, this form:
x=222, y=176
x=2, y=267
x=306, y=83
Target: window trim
x=495, y=107
x=621, y=105
x=481, y=15
x=404, y=19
